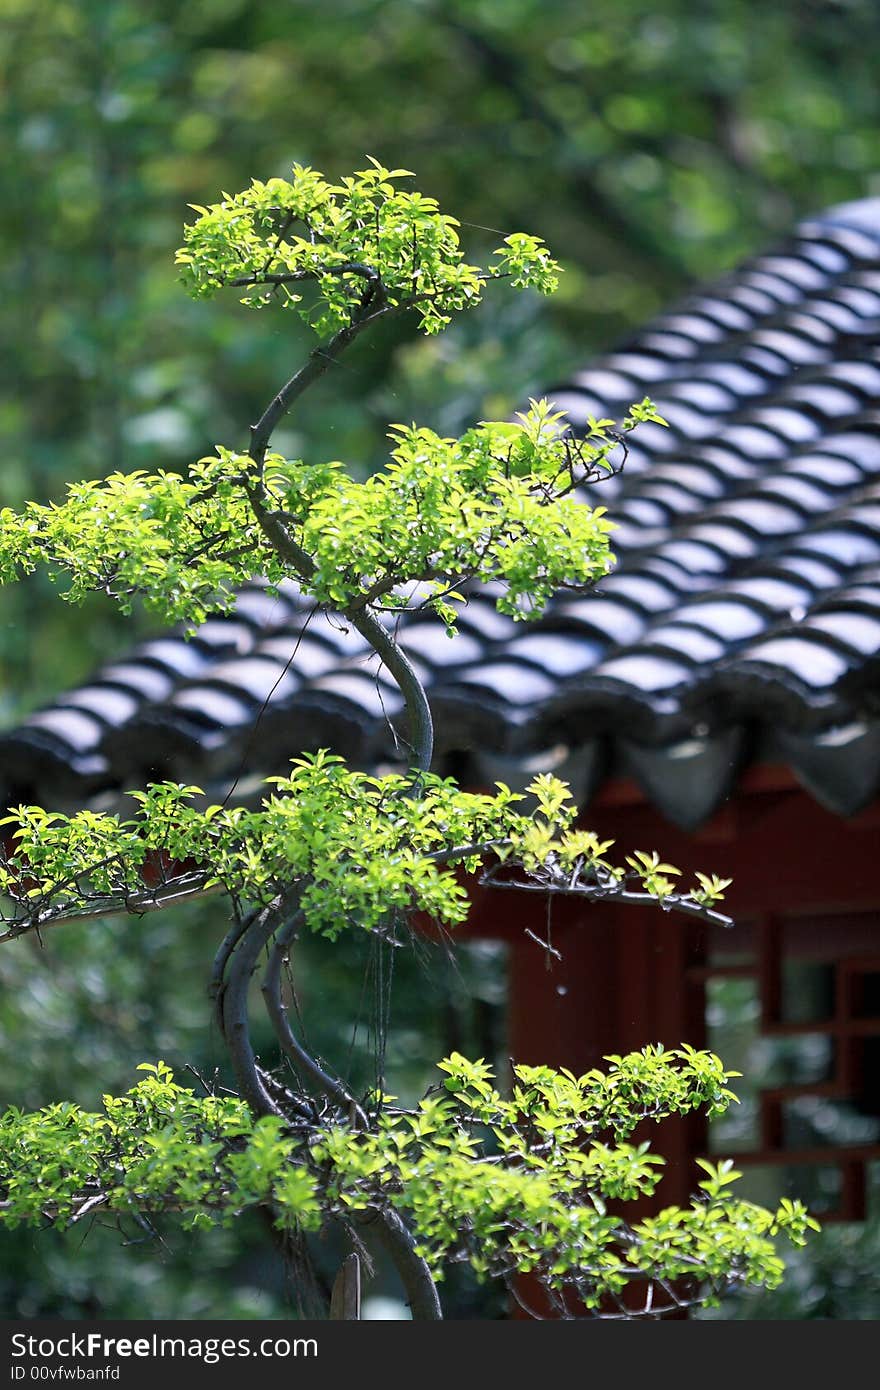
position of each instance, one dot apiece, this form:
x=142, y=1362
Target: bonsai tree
x=525, y=1179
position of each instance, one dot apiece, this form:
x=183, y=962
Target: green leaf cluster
x=512, y=1185
x=362, y=245
x=492, y=506
x=182, y=544
x=495, y=505
x=363, y=848
x=156, y=1148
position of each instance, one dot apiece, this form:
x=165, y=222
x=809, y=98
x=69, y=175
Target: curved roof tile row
x=742, y=620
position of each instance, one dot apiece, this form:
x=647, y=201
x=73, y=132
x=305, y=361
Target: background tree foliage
x=649, y=145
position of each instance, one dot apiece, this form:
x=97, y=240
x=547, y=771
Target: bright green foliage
x=182, y=544
x=711, y=888
x=363, y=244
x=364, y=848
x=653, y=873
x=512, y=1185
x=442, y=511
x=156, y=1148
x=490, y=506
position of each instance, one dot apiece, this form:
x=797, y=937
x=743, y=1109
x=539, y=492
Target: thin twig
x=187, y=888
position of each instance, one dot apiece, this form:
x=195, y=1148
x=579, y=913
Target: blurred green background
x=652, y=143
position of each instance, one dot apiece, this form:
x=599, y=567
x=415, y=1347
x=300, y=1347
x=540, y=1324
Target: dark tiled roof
x=742, y=621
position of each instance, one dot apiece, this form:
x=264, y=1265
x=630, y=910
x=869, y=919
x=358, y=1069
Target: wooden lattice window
x=793, y=1001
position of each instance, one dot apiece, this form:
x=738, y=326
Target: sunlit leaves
x=711, y=888
x=362, y=247
x=443, y=510
x=493, y=506
x=362, y=847
x=528, y=263
x=183, y=544
x=643, y=412
x=365, y=849
x=513, y=1184
x=156, y=1148
x=653, y=873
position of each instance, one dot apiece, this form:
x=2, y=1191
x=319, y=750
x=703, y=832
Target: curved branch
x=245, y=946
x=421, y=725
x=186, y=888
x=272, y=525
x=290, y=1045
x=225, y=950
x=233, y=1002
x=394, y=1236
x=291, y=277
x=421, y=730
x=390, y=1230
x=316, y=364
x=418, y=711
